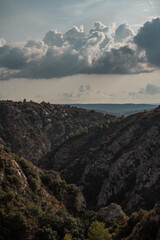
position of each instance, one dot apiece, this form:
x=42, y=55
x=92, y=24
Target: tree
x=97, y=231
x=85, y=130
x=106, y=125
x=67, y=237
x=71, y=134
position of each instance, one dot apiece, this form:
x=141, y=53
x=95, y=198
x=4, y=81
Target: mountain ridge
x=33, y=129
x=77, y=182
x=117, y=109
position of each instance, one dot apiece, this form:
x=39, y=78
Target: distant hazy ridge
x=118, y=109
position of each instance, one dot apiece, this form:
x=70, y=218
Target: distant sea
x=117, y=109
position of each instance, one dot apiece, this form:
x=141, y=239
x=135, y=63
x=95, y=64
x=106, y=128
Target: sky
x=88, y=51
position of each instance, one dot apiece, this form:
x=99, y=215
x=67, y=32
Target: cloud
x=122, y=32
x=104, y=50
x=85, y=89
x=6, y=74
x=34, y=50
x=12, y=58
x=54, y=38
x=57, y=62
x=150, y=89
x=84, y=92
x=148, y=39
x=75, y=37
x=99, y=27
x=123, y=60
x=18, y=58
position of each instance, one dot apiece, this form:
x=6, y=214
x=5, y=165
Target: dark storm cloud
x=12, y=58
x=148, y=39
x=54, y=64
x=119, y=61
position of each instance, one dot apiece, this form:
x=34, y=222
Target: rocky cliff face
x=124, y=168
x=39, y=205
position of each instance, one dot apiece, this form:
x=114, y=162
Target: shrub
x=97, y=231
x=67, y=237
x=13, y=179
x=26, y=167
x=33, y=183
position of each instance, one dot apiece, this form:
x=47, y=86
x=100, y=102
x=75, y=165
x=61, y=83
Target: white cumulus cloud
x=103, y=50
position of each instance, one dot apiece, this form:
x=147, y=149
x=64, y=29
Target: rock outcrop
x=124, y=168
x=112, y=211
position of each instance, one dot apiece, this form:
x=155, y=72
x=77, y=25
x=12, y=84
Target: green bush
x=97, y=231
x=26, y=167
x=13, y=179
x=67, y=237
x=33, y=183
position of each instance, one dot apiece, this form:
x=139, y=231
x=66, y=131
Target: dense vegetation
x=36, y=203
x=32, y=129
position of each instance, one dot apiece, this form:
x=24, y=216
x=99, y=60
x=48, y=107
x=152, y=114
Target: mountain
x=117, y=109
x=67, y=173
x=36, y=204
x=120, y=165
x=33, y=129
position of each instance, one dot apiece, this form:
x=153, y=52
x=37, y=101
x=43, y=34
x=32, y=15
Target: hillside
x=30, y=198
x=123, y=168
x=62, y=177
x=36, y=204
x=33, y=129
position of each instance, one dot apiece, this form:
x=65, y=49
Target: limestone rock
x=112, y=211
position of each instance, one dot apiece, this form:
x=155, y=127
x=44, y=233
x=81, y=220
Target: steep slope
x=36, y=204
x=77, y=145
x=33, y=129
x=142, y=225
x=124, y=168
x=114, y=161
